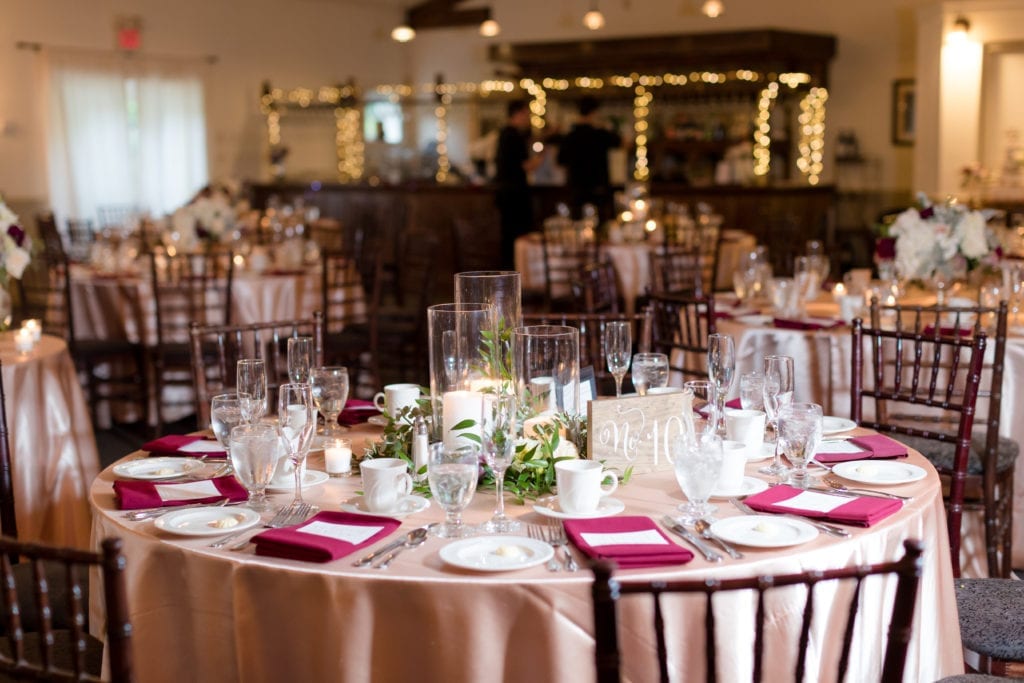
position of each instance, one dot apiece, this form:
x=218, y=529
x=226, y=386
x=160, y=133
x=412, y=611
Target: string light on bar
x=349, y=142
x=812, y=134
x=641, y=110
x=443, y=163
x=538, y=102
x=763, y=129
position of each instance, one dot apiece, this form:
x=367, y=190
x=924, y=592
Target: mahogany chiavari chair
x=595, y=287
x=932, y=377
x=564, y=252
x=677, y=270
x=215, y=350
x=350, y=300
x=608, y=593
x=680, y=328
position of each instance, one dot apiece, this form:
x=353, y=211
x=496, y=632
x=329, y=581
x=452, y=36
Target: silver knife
x=674, y=526
x=367, y=559
x=821, y=526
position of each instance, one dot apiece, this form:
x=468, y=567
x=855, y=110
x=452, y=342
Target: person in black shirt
x=513, y=162
x=584, y=154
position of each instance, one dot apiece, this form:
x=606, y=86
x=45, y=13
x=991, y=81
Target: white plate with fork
x=497, y=553
x=211, y=521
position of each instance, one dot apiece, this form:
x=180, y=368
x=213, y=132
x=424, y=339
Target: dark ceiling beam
x=442, y=14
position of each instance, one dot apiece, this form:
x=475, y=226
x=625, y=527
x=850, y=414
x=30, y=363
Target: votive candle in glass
x=338, y=457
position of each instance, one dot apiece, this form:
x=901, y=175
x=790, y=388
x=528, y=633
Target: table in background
x=242, y=617
x=53, y=449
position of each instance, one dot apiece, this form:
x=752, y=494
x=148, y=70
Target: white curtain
x=123, y=132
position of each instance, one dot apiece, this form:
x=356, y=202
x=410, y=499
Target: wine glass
x=296, y=423
x=300, y=359
x=721, y=367
x=778, y=393
x=698, y=462
x=650, y=370
x=225, y=415
x=618, y=345
x=251, y=383
x=330, y=391
x=704, y=415
x=499, y=437
x=799, y=436
x=452, y=474
x=254, y=458
x=752, y=391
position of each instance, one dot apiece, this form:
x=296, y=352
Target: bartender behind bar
x=584, y=154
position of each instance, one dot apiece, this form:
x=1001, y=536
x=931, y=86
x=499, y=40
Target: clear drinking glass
x=799, y=436
x=452, y=474
x=296, y=423
x=704, y=404
x=618, y=348
x=778, y=393
x=225, y=415
x=300, y=359
x=698, y=462
x=721, y=367
x=330, y=392
x=650, y=370
x=752, y=391
x=251, y=383
x=254, y=458
x=499, y=439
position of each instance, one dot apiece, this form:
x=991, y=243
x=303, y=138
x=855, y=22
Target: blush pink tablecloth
x=53, y=449
x=233, y=616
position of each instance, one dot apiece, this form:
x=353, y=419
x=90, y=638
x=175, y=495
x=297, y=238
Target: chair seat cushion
x=63, y=652
x=941, y=454
x=991, y=622
x=971, y=678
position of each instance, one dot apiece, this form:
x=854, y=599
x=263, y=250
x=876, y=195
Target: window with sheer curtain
x=123, y=132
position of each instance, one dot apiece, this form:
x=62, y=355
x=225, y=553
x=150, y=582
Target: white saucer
x=766, y=451
x=406, y=506
x=312, y=478
x=378, y=420
x=606, y=508
x=204, y=521
x=750, y=486
x=497, y=553
x=835, y=425
x=754, y=319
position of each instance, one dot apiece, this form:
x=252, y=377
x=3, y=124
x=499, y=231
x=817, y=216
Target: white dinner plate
x=835, y=425
x=211, y=521
x=749, y=487
x=157, y=468
x=406, y=505
x=497, y=553
x=312, y=478
x=607, y=507
x=879, y=471
x=754, y=319
x=764, y=531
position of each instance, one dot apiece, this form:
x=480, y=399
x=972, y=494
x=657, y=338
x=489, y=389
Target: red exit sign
x=128, y=31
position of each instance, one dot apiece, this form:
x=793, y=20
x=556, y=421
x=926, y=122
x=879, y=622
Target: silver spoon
x=704, y=529
x=416, y=538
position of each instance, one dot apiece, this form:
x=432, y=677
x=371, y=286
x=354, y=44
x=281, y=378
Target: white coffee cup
x=746, y=426
x=385, y=481
x=850, y=306
x=395, y=397
x=581, y=485
x=734, y=462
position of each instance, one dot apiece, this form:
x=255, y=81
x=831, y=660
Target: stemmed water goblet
x=330, y=386
x=650, y=371
x=300, y=359
x=452, y=474
x=499, y=436
x=254, y=458
x=799, y=437
x=778, y=393
x=251, y=383
x=698, y=462
x=225, y=415
x=704, y=414
x=296, y=423
x=618, y=348
x=721, y=367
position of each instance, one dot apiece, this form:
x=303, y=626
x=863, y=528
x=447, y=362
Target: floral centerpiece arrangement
x=942, y=241
x=15, y=250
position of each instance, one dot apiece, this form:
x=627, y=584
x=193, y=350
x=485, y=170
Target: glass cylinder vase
x=546, y=368
x=460, y=369
x=501, y=289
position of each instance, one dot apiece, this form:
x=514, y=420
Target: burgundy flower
x=16, y=234
x=927, y=212
x=885, y=247
x=202, y=233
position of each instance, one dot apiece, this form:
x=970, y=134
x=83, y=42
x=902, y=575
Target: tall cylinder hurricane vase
x=501, y=289
x=460, y=369
x=546, y=369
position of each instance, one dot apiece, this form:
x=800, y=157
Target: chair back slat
x=805, y=628
x=595, y=287
x=680, y=327
x=851, y=619
x=710, y=654
x=659, y=630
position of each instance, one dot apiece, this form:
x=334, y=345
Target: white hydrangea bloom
x=973, y=236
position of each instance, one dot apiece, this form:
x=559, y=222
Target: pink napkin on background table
x=734, y=403
x=860, y=511
x=357, y=411
x=172, y=444
x=631, y=541
x=806, y=323
x=134, y=495
x=876, y=447
x=324, y=537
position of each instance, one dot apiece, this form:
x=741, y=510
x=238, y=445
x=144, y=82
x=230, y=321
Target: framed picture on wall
x=903, y=111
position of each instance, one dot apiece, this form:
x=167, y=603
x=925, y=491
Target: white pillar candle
x=24, y=341
x=338, y=458
x=456, y=407
x=33, y=326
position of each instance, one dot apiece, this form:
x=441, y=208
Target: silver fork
x=289, y=515
x=539, y=533
x=556, y=537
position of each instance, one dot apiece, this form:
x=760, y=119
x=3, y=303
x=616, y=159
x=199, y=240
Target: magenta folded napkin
x=876, y=447
x=133, y=495
x=860, y=511
x=175, y=444
x=806, y=323
x=357, y=411
x=734, y=403
x=628, y=541
x=325, y=536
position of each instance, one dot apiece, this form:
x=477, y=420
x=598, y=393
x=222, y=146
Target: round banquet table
x=53, y=449
x=234, y=616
